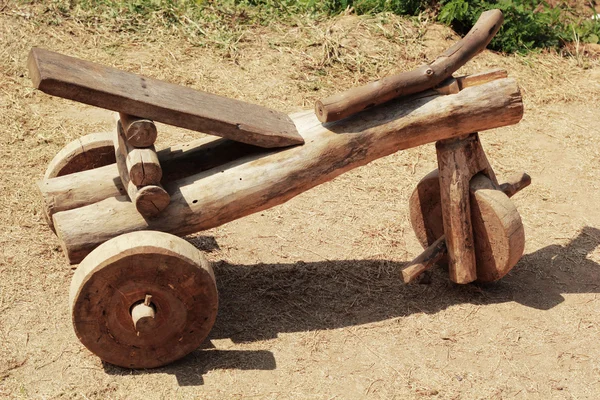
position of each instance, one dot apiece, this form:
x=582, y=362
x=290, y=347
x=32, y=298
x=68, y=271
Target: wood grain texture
x=179, y=161
x=87, y=152
x=125, y=92
x=358, y=99
x=256, y=182
x=119, y=275
x=149, y=199
x=141, y=164
x=455, y=174
x=139, y=132
x=492, y=230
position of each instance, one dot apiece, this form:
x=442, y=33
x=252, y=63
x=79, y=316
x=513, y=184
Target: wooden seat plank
x=181, y=106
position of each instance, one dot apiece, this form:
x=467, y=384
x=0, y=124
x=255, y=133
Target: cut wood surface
x=455, y=175
x=76, y=190
x=496, y=244
x=139, y=132
x=260, y=181
x=141, y=165
x=149, y=199
x=455, y=85
x=85, y=153
x=425, y=260
x=160, y=101
x=350, y=102
x=121, y=274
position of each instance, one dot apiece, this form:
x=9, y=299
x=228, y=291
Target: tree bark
x=139, y=132
x=260, y=181
x=357, y=99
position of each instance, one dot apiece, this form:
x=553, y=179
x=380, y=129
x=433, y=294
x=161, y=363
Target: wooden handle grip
x=350, y=102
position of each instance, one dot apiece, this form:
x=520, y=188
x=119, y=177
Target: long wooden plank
x=125, y=92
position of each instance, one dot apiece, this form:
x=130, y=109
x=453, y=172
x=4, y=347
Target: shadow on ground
x=260, y=301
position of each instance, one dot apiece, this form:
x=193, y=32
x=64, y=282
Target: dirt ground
x=311, y=301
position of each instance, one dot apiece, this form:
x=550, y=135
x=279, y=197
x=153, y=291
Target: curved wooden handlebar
x=350, y=102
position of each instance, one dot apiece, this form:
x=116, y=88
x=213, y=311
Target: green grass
x=529, y=24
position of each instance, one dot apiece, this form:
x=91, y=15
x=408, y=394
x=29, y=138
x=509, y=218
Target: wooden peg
x=139, y=132
x=142, y=164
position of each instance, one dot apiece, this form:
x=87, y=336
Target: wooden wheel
x=89, y=151
x=143, y=299
x=497, y=228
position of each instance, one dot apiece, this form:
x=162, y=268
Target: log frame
x=261, y=181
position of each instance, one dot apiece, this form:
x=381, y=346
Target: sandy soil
x=311, y=301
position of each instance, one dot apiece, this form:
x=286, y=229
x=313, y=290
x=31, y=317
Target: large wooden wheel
x=89, y=151
x=143, y=299
x=497, y=228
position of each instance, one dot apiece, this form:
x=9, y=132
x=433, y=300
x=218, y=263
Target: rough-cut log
x=425, y=260
x=487, y=261
x=141, y=166
x=139, y=132
x=150, y=199
x=77, y=190
x=159, y=101
x=455, y=175
x=258, y=182
x=455, y=85
x=87, y=152
x=119, y=275
x=350, y=102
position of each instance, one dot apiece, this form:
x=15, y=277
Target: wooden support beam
x=141, y=166
x=257, y=182
x=139, y=132
x=160, y=101
x=455, y=175
x=352, y=101
x=149, y=198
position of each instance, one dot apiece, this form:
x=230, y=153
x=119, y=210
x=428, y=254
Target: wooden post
x=139, y=132
x=141, y=165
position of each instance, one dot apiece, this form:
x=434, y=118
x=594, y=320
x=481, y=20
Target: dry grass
x=311, y=300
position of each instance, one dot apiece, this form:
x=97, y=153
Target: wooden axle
x=438, y=249
x=139, y=132
x=257, y=182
